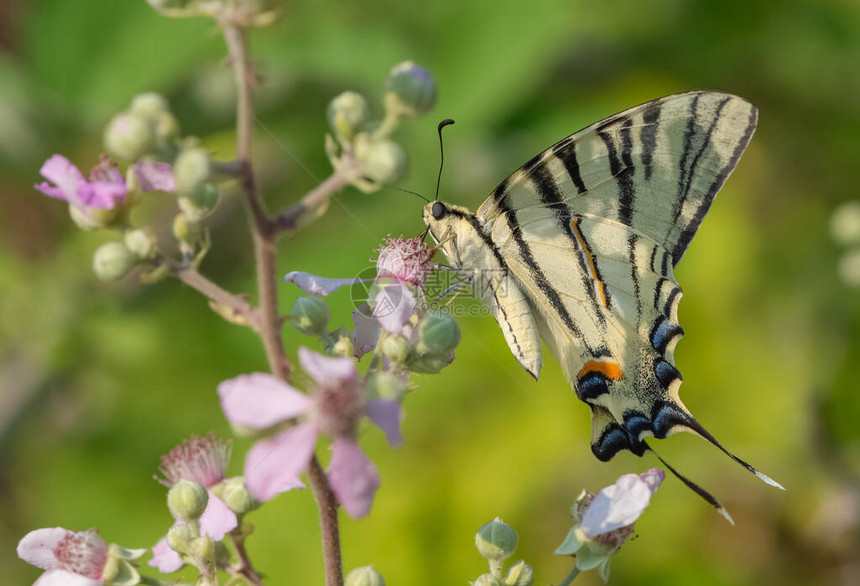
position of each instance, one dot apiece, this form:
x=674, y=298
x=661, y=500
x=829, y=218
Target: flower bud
x=191, y=168
x=142, y=242
x=236, y=496
x=129, y=136
x=384, y=385
x=222, y=555
x=186, y=229
x=149, y=105
x=437, y=333
x=339, y=343
x=410, y=90
x=496, y=540
x=179, y=537
x=429, y=363
x=310, y=316
x=383, y=161
x=113, y=261
x=520, y=574
x=845, y=223
x=346, y=114
x=366, y=576
x=187, y=500
x=204, y=196
x=486, y=580
x=95, y=218
x=395, y=348
x=167, y=135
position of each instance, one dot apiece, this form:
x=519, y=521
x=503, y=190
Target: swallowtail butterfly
x=586, y=236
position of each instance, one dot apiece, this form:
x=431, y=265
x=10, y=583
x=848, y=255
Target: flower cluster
x=146, y=137
x=410, y=91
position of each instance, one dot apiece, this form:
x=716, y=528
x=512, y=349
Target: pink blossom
x=69, y=558
x=273, y=465
x=105, y=187
x=203, y=460
x=404, y=260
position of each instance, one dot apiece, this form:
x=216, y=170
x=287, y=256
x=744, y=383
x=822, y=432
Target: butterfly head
x=449, y=224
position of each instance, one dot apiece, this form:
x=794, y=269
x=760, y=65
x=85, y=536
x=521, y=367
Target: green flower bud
x=191, y=168
x=95, y=218
x=310, y=316
x=113, y=261
x=339, y=343
x=384, y=385
x=186, y=229
x=366, y=576
x=410, y=90
x=486, y=580
x=222, y=555
x=395, y=347
x=179, y=538
x=346, y=114
x=383, y=161
x=428, y=363
x=202, y=549
x=235, y=495
x=142, y=242
x=167, y=134
x=437, y=333
x=520, y=574
x=187, y=500
x=129, y=136
x=204, y=196
x=149, y=105
x=496, y=540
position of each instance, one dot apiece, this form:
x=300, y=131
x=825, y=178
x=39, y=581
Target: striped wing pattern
x=591, y=230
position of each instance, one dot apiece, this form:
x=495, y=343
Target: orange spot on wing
x=610, y=370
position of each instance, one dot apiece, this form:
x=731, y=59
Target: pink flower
x=105, y=187
x=69, y=558
x=203, y=460
x=273, y=465
x=404, y=260
x=604, y=521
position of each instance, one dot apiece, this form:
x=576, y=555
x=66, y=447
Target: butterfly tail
x=697, y=427
x=708, y=497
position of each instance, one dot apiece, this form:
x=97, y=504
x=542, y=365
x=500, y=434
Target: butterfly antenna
x=709, y=498
x=443, y=124
x=407, y=191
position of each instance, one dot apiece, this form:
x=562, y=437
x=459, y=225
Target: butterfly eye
x=438, y=210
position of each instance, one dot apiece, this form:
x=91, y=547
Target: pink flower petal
x=325, y=369
x=64, y=578
x=274, y=465
x=386, y=414
x=393, y=306
x=100, y=194
x=155, y=176
x=50, y=190
x=261, y=400
x=353, y=477
x=37, y=547
x=315, y=285
x=653, y=478
x=616, y=506
x=164, y=558
x=217, y=520
x=366, y=333
x=62, y=172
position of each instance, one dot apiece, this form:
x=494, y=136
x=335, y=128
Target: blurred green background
x=96, y=381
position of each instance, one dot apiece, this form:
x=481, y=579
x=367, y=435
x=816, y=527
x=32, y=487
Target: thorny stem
x=269, y=322
x=239, y=307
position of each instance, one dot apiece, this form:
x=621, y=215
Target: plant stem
x=240, y=307
x=328, y=506
x=245, y=567
x=289, y=218
x=567, y=580
x=269, y=320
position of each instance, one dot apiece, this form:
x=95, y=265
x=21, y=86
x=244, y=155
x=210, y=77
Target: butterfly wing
x=592, y=229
